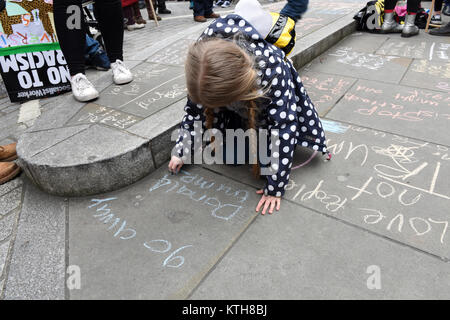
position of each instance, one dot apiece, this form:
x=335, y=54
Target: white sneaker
x=82, y=88
x=131, y=27
x=226, y=4
x=121, y=74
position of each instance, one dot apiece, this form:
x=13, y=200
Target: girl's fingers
x=266, y=205
x=261, y=191
x=272, y=205
x=260, y=203
x=278, y=204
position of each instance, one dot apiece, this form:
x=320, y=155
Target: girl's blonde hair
x=218, y=73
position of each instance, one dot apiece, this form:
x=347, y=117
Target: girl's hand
x=273, y=202
x=175, y=164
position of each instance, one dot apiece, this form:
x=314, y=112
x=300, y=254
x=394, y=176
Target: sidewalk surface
x=372, y=223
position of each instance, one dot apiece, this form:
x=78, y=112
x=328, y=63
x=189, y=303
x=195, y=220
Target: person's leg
x=70, y=29
x=389, y=23
x=110, y=17
x=198, y=8
x=412, y=6
x=199, y=11
x=71, y=32
x=410, y=29
x=436, y=18
x=389, y=5
x=162, y=7
x=295, y=9
x=209, y=9
x=208, y=5
x=137, y=13
x=128, y=14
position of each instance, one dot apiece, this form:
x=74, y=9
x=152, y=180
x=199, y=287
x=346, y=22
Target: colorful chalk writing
x=103, y=213
x=93, y=113
x=370, y=168
x=202, y=191
x=431, y=68
x=174, y=54
x=360, y=59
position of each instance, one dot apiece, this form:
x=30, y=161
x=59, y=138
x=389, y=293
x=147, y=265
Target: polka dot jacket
x=288, y=111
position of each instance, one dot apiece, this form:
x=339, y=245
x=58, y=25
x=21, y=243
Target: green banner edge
x=29, y=48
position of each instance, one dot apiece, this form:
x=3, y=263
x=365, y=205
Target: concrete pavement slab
x=37, y=268
x=57, y=113
x=8, y=120
x=2, y=282
x=381, y=182
x=10, y=107
x=10, y=185
x=155, y=125
x=299, y=254
x=157, y=238
x=4, y=248
x=347, y=62
x=430, y=48
x=312, y=45
x=174, y=54
x=157, y=98
x=58, y=110
x=94, y=113
x=337, y=8
x=362, y=42
x=5, y=141
x=32, y=143
x=143, y=43
x=10, y=201
x=433, y=75
x=313, y=22
x=12, y=134
x=147, y=77
x=6, y=103
x=7, y=224
x=408, y=111
x=325, y=89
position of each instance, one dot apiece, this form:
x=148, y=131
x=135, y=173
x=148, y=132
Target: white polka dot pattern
x=290, y=112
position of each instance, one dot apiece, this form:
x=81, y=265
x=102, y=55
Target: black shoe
x=164, y=11
x=442, y=31
x=446, y=10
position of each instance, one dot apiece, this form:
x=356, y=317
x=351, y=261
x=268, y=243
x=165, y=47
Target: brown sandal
x=8, y=152
x=8, y=171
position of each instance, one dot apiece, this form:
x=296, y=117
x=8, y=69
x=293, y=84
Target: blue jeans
x=295, y=8
x=203, y=7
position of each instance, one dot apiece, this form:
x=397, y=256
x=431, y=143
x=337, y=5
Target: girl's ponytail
x=253, y=138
